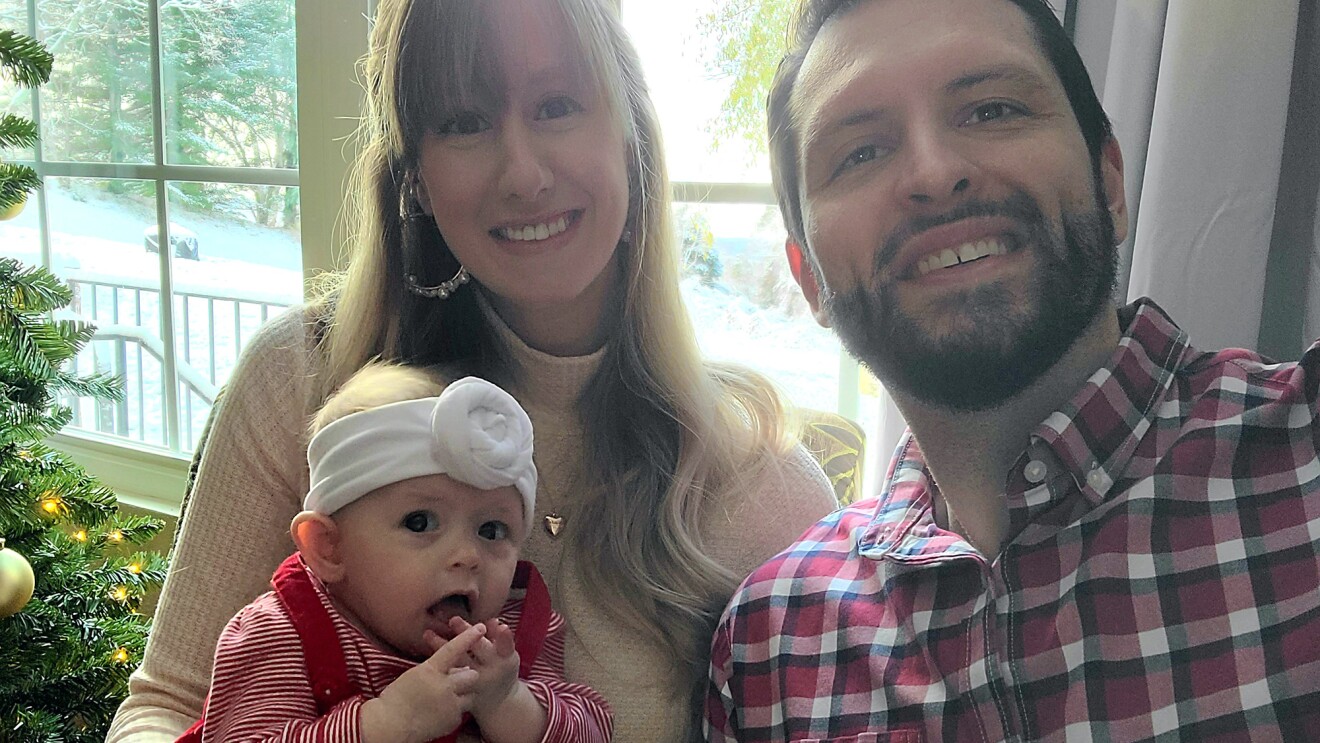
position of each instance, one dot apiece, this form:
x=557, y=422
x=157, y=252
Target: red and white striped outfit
x=262, y=689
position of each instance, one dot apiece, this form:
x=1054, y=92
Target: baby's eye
x=994, y=110
x=465, y=123
x=421, y=521
x=493, y=530
x=558, y=107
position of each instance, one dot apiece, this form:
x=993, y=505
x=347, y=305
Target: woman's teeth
x=535, y=231
x=965, y=253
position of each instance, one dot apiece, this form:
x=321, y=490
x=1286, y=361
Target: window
x=171, y=159
x=708, y=64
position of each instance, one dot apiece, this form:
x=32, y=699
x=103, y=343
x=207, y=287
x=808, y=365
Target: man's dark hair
x=812, y=15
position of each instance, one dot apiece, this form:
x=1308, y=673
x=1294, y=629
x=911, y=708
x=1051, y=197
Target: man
x=1092, y=531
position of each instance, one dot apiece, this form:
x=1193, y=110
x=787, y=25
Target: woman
x=514, y=224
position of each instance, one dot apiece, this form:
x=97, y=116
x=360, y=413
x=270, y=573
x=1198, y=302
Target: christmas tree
x=70, y=580
x=27, y=62
x=65, y=652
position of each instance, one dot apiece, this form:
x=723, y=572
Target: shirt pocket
x=888, y=736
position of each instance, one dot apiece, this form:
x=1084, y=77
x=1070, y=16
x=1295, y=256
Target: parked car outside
x=182, y=239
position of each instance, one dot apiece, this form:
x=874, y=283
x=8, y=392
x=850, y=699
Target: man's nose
x=936, y=169
x=526, y=174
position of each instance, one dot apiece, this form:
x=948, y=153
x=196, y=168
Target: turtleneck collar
x=540, y=379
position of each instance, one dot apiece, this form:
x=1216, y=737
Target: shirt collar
x=1093, y=437
x=1095, y=434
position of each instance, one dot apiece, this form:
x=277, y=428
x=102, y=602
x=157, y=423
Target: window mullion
x=169, y=371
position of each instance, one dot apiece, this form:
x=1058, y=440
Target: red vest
x=327, y=670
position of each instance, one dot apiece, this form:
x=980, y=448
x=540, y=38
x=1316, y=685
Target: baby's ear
x=316, y=536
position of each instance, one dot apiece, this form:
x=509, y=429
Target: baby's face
x=421, y=551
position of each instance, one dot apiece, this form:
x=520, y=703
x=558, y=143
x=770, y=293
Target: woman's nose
x=526, y=173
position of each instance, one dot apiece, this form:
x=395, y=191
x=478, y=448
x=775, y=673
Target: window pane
x=708, y=63
x=237, y=261
x=746, y=305
x=18, y=234
x=97, y=105
x=97, y=240
x=229, y=79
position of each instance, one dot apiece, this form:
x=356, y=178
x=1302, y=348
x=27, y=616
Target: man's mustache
x=1019, y=207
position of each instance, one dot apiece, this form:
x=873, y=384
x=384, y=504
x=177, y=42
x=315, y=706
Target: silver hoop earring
x=443, y=290
x=409, y=207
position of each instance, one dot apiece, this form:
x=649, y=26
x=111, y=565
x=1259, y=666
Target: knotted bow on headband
x=474, y=432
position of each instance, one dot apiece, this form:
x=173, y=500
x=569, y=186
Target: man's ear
x=805, y=276
x=1111, y=175
x=316, y=536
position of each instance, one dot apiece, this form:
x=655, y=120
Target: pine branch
x=17, y=132
x=31, y=289
x=25, y=59
x=16, y=182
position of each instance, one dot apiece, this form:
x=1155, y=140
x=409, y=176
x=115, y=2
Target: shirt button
x=1035, y=471
x=1096, y=478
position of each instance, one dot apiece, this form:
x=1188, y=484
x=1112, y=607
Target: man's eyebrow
x=1000, y=73
x=856, y=118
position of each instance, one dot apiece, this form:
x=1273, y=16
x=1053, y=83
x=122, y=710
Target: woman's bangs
x=450, y=66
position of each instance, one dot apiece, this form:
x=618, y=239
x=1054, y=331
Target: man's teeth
x=535, y=231
x=965, y=253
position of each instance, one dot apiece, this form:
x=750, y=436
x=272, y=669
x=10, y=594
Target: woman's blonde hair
x=667, y=435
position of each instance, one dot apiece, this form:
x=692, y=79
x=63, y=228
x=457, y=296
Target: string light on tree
x=120, y=594
x=115, y=536
x=53, y=504
x=120, y=656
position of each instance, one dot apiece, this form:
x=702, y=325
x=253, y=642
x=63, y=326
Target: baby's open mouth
x=453, y=605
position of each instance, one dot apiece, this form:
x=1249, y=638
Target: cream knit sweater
x=251, y=482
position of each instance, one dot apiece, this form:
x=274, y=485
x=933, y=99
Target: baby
x=406, y=615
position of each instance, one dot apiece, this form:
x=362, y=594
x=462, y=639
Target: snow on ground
x=103, y=238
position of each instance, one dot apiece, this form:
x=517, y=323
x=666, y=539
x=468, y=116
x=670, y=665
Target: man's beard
x=996, y=349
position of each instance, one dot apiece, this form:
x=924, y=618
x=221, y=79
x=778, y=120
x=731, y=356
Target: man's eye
x=421, y=521
x=863, y=154
x=466, y=123
x=558, y=107
x=992, y=111
x=493, y=530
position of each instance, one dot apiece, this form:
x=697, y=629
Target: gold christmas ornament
x=13, y=211
x=16, y=582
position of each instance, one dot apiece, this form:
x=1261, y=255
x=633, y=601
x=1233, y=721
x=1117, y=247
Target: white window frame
x=331, y=37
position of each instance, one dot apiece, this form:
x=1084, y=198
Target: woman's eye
x=993, y=111
x=493, y=530
x=557, y=108
x=421, y=521
x=466, y=123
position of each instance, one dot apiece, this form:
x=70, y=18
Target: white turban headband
x=474, y=432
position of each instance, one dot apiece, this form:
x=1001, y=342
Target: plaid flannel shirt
x=1160, y=580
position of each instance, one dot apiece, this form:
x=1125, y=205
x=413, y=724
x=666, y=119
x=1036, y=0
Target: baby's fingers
x=454, y=653
x=500, y=634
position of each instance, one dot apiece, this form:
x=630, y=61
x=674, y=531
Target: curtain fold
x=1208, y=193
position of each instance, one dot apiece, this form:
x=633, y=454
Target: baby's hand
x=429, y=699
x=495, y=661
